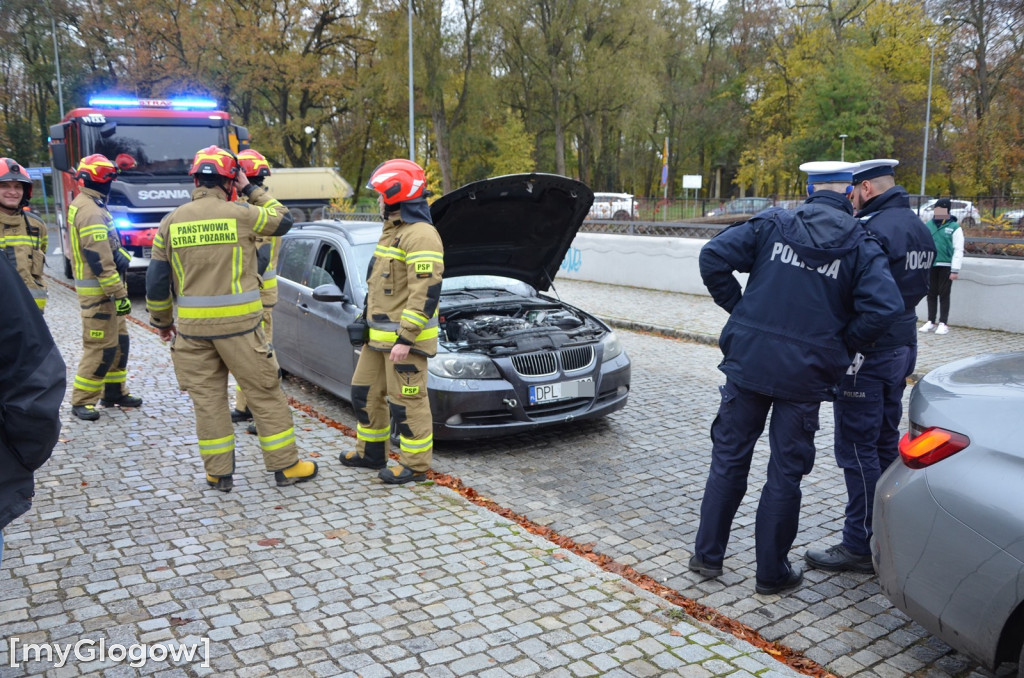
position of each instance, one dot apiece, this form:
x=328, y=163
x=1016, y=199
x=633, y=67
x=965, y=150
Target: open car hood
x=518, y=226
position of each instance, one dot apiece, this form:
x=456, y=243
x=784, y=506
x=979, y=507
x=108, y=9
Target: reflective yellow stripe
x=372, y=435
x=236, y=270
x=93, y=230
x=41, y=303
x=158, y=241
x=270, y=283
x=389, y=253
x=16, y=240
x=261, y=220
x=110, y=280
x=217, y=445
x=84, y=384
x=179, y=270
x=164, y=305
x=230, y=311
x=416, y=446
x=417, y=319
x=382, y=335
x=115, y=377
x=425, y=255
x=278, y=440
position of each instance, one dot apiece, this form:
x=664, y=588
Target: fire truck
x=152, y=141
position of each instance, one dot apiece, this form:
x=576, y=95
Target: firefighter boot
x=221, y=483
x=114, y=397
x=366, y=460
x=399, y=475
x=241, y=415
x=86, y=412
x=299, y=472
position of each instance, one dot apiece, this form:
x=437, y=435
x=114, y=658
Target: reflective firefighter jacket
x=268, y=248
x=24, y=241
x=205, y=251
x=404, y=286
x=97, y=259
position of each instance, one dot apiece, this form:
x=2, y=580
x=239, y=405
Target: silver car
x=509, y=358
x=948, y=541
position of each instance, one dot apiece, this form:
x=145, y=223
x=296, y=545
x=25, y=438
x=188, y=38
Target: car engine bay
x=502, y=330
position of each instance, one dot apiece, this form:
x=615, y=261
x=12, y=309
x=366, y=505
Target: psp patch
x=96, y=334
x=410, y=390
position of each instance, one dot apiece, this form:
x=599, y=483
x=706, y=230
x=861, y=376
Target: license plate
x=147, y=252
x=546, y=393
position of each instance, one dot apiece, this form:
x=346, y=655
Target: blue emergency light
x=122, y=223
x=181, y=104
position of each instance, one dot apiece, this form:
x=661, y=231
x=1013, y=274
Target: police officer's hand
x=399, y=352
x=123, y=305
x=167, y=333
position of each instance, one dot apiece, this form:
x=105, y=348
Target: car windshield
x=487, y=282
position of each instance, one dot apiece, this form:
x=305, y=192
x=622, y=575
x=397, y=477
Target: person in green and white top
x=949, y=253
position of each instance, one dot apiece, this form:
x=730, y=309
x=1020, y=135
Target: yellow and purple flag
x=664, y=165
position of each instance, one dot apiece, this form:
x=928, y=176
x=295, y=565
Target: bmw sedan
x=509, y=358
x=948, y=541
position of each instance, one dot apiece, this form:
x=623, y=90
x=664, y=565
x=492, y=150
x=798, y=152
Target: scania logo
x=164, y=194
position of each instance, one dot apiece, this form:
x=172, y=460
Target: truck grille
x=544, y=363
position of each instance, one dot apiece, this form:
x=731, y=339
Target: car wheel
x=68, y=273
x=621, y=215
x=968, y=222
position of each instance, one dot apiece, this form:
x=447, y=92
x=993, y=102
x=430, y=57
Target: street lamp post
x=312, y=144
x=412, y=138
x=842, y=150
x=928, y=104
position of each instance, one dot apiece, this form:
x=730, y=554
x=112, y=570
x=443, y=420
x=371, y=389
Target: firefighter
x=99, y=264
x=204, y=254
x=404, y=287
x=24, y=233
x=256, y=168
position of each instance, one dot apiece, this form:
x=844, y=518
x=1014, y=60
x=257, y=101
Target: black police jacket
x=910, y=250
x=819, y=289
x=32, y=383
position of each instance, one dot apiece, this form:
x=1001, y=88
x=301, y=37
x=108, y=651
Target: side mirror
x=329, y=292
x=108, y=129
x=59, y=148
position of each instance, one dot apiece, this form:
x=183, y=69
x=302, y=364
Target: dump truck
x=307, y=191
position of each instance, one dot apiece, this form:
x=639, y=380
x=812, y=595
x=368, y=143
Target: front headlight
x=462, y=366
x=612, y=346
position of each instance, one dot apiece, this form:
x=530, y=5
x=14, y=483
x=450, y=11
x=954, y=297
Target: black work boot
x=704, y=568
x=251, y=430
x=86, y=412
x=839, y=559
x=114, y=397
x=356, y=460
x=399, y=475
x=241, y=415
x=220, y=483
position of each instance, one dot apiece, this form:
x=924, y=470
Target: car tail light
x=930, y=446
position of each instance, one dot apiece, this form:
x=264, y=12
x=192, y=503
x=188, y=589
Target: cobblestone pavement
x=340, y=576
x=631, y=485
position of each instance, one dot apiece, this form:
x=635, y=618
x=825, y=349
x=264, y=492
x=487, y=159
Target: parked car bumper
x=482, y=408
x=944, y=575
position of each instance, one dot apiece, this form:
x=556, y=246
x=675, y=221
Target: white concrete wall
x=988, y=295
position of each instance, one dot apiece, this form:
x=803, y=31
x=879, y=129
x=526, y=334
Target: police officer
x=205, y=252
x=404, y=287
x=818, y=290
x=869, y=405
x=99, y=264
x=256, y=169
x=23, y=237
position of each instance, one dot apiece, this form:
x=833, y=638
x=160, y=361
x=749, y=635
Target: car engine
x=502, y=331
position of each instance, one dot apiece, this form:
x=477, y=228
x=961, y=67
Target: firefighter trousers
x=381, y=388
x=268, y=330
x=202, y=367
x=105, y=348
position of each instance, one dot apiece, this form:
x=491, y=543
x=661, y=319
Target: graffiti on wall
x=573, y=261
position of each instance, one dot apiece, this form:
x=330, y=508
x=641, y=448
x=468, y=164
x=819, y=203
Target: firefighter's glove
x=123, y=305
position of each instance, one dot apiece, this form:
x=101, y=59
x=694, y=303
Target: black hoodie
x=819, y=289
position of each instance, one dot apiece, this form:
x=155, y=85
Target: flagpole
x=665, y=175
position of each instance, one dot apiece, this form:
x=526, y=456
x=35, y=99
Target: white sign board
x=691, y=181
